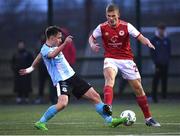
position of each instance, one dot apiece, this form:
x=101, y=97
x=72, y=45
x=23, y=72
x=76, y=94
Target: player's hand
x=146, y=41
x=68, y=39
x=22, y=72
x=150, y=45
x=95, y=47
x=26, y=71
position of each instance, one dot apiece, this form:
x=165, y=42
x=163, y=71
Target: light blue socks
x=99, y=109
x=51, y=111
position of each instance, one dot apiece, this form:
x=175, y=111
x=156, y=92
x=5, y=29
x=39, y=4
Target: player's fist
x=68, y=39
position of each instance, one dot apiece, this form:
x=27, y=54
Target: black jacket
x=161, y=55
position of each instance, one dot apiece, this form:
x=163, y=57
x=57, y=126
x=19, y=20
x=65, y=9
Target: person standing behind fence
x=22, y=84
x=160, y=57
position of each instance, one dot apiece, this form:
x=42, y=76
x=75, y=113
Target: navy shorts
x=78, y=85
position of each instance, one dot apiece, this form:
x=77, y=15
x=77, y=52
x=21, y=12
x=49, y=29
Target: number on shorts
x=135, y=68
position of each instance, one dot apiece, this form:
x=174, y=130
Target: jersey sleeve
x=44, y=51
x=133, y=31
x=97, y=32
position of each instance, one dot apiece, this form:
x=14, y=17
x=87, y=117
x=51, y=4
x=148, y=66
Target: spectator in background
x=69, y=51
x=160, y=57
x=22, y=84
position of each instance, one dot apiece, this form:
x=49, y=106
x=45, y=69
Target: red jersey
x=116, y=40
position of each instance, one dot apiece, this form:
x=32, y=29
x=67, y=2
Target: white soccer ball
x=130, y=115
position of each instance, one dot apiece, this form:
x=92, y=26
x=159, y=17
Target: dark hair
x=52, y=31
x=112, y=7
x=161, y=26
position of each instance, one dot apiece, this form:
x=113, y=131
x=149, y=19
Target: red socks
x=108, y=95
x=142, y=101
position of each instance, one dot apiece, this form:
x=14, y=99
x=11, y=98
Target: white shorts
x=127, y=68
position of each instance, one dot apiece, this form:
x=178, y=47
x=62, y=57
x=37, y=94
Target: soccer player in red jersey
x=115, y=34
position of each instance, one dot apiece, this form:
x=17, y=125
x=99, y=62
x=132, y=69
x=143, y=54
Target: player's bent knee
x=97, y=96
x=93, y=95
x=109, y=82
x=62, y=102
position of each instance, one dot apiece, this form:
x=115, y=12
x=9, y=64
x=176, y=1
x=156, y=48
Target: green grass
x=81, y=119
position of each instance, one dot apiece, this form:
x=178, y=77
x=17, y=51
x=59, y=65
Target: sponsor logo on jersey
x=114, y=38
x=115, y=42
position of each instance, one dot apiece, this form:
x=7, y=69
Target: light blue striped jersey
x=58, y=67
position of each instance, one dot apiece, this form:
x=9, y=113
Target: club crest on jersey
x=121, y=32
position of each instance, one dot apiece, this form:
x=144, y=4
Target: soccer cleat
x=107, y=110
x=41, y=126
x=117, y=121
x=152, y=122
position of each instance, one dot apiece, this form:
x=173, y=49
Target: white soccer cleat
x=152, y=122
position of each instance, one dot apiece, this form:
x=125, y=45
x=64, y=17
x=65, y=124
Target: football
x=130, y=115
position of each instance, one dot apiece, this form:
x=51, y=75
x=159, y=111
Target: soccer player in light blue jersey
x=63, y=76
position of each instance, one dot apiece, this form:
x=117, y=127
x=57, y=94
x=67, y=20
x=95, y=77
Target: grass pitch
x=81, y=119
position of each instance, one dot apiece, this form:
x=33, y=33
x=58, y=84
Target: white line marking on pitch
x=75, y=123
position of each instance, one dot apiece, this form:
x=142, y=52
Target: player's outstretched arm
x=60, y=48
x=32, y=67
x=93, y=44
x=145, y=41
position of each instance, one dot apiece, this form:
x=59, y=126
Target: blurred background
x=27, y=19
